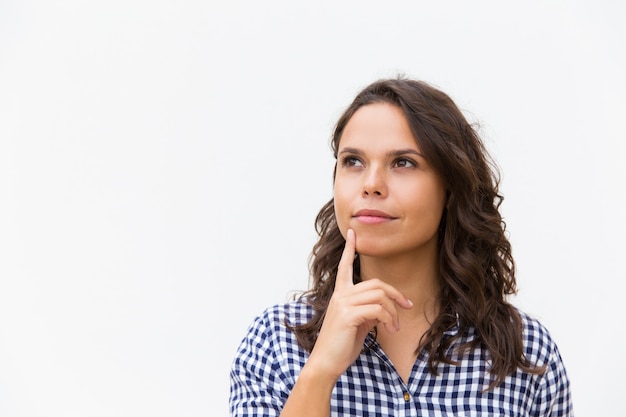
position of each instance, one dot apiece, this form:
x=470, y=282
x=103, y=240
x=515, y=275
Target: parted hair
x=476, y=266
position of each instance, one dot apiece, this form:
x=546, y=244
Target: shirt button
x=407, y=397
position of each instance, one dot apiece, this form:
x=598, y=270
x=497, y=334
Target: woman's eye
x=350, y=161
x=404, y=163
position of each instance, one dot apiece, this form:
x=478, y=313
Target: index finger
x=345, y=268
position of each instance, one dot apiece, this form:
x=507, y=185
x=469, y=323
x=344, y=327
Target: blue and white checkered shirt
x=269, y=360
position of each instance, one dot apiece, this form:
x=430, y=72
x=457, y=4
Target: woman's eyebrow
x=393, y=153
x=355, y=151
x=408, y=151
x=389, y=154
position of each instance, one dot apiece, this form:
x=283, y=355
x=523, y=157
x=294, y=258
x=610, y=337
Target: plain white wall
x=162, y=162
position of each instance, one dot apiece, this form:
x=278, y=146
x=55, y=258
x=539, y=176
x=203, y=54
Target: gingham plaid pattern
x=269, y=359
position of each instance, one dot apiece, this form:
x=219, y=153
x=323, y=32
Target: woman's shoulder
x=538, y=342
x=268, y=358
x=277, y=317
x=269, y=340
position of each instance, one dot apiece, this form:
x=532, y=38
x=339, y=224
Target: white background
x=162, y=162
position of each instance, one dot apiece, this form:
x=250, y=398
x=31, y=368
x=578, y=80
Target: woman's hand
x=353, y=311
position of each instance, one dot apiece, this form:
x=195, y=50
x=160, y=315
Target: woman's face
x=384, y=189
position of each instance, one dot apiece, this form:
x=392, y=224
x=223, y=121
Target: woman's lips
x=368, y=216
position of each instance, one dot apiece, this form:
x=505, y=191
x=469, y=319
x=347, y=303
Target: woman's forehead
x=378, y=125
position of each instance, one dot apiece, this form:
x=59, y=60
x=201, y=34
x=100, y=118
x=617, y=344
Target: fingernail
x=410, y=302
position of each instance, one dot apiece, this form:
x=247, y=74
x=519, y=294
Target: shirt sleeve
x=554, y=397
x=256, y=389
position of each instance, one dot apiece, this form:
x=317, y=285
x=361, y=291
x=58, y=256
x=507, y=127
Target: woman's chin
x=373, y=249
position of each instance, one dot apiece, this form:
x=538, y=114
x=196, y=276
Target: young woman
x=407, y=314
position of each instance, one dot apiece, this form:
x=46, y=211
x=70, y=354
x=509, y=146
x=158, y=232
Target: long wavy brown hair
x=477, y=271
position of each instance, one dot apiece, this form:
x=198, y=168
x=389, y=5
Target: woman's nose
x=374, y=183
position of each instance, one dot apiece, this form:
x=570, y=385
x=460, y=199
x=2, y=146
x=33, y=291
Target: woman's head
x=453, y=150
x=385, y=189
